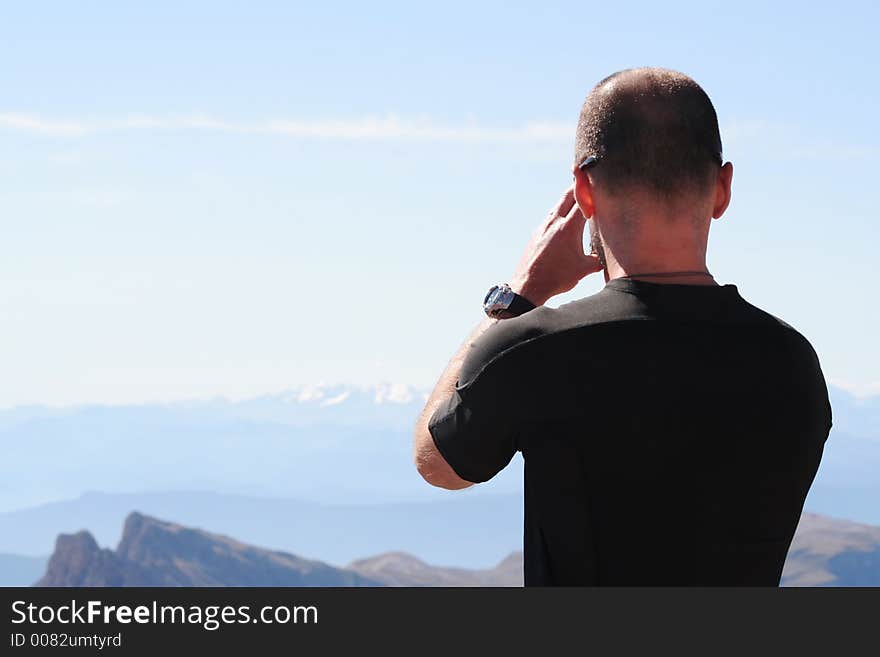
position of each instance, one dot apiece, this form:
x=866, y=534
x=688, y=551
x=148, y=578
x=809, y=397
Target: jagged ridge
x=157, y=553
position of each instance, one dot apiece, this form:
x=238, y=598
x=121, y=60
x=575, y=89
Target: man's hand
x=554, y=260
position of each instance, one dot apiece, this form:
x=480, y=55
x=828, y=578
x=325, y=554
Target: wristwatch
x=503, y=303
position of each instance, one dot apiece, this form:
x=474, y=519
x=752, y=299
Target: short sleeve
x=472, y=433
x=475, y=428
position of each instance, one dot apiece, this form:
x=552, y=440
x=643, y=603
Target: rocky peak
x=157, y=553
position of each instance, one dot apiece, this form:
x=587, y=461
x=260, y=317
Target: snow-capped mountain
x=323, y=442
x=387, y=405
x=332, y=394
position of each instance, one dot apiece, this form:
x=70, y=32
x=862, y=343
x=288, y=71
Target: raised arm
x=554, y=261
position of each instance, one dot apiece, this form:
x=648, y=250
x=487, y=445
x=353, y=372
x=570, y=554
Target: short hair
x=649, y=128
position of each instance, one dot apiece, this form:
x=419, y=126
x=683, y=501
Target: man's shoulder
x=514, y=341
x=761, y=317
x=511, y=336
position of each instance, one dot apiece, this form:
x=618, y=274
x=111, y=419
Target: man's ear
x=722, y=190
x=583, y=192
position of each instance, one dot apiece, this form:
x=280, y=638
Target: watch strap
x=520, y=305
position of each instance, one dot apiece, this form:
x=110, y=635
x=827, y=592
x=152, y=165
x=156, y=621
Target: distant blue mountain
x=339, y=444
x=848, y=482
x=321, y=443
x=856, y=416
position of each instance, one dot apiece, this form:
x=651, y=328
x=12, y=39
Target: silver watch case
x=498, y=298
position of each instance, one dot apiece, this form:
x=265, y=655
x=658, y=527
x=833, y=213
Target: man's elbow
x=447, y=482
x=437, y=472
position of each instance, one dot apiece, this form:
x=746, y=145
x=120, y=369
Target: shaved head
x=649, y=128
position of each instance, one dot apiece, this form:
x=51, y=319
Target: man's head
x=651, y=128
x=652, y=148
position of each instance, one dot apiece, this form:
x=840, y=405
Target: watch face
x=493, y=296
x=498, y=298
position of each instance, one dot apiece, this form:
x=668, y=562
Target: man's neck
x=671, y=248
x=690, y=272
x=678, y=279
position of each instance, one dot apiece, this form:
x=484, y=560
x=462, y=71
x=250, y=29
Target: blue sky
x=208, y=198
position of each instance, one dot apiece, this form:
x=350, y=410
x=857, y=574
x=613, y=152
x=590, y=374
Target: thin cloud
x=29, y=123
x=366, y=128
x=776, y=140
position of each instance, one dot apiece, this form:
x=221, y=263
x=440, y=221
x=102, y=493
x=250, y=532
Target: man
x=670, y=430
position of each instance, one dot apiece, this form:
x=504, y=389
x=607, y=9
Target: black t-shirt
x=669, y=433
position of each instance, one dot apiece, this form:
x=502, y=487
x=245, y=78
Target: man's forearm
x=435, y=470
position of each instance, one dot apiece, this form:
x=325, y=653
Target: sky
x=228, y=199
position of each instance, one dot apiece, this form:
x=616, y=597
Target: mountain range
x=323, y=471
x=153, y=552
x=328, y=444
x=335, y=444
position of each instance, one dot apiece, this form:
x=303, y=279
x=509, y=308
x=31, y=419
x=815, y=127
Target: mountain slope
x=402, y=569
x=832, y=552
x=157, y=553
